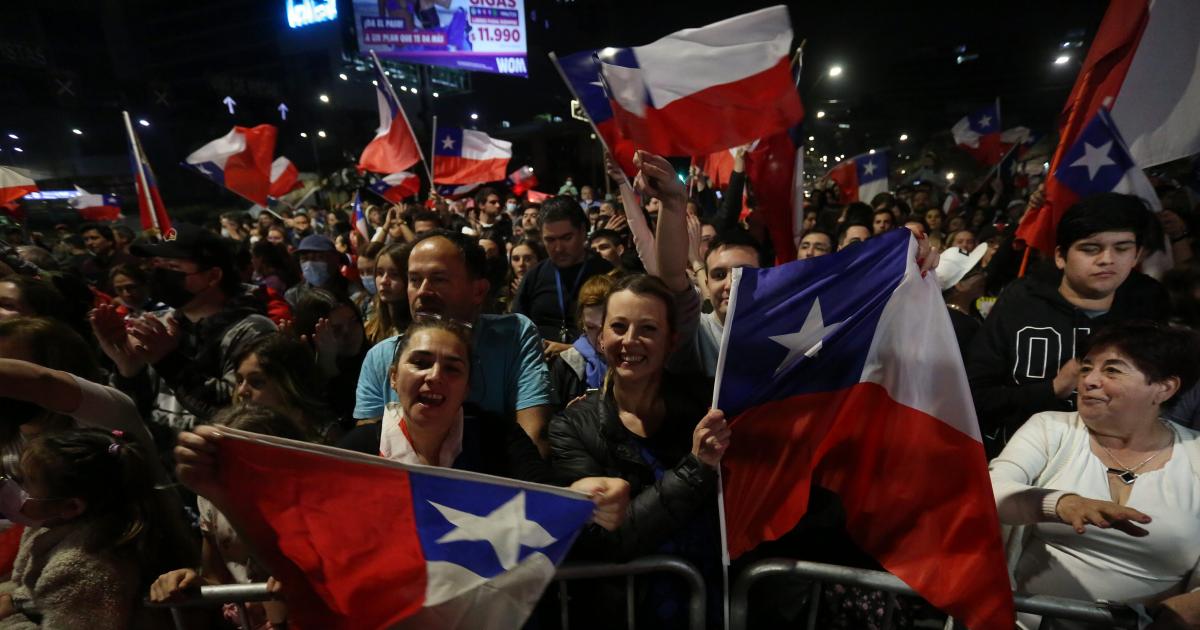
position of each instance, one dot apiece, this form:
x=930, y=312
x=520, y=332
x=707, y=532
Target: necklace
x=1126, y=474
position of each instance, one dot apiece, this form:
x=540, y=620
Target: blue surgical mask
x=368, y=283
x=316, y=272
x=510, y=207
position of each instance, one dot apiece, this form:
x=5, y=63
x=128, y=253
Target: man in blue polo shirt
x=446, y=277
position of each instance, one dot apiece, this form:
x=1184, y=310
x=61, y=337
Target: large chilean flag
x=978, y=133
x=861, y=177
x=846, y=374
x=701, y=90
x=363, y=542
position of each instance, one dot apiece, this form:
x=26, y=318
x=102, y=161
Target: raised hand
x=656, y=178
x=109, y=327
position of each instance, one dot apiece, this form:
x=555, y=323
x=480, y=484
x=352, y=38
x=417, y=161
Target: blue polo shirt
x=507, y=370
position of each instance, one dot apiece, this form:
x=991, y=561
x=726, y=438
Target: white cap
x=955, y=264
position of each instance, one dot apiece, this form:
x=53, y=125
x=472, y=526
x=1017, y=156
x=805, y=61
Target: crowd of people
x=574, y=342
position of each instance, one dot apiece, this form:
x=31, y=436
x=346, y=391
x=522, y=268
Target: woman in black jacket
x=653, y=429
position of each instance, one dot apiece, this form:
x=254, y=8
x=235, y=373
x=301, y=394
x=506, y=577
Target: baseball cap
x=955, y=264
x=188, y=242
x=316, y=243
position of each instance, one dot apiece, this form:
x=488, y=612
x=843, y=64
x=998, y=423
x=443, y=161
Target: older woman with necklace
x=1111, y=493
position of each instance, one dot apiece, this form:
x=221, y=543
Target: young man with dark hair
x=849, y=233
x=447, y=278
x=426, y=221
x=727, y=251
x=607, y=244
x=488, y=204
x=547, y=294
x=816, y=242
x=1025, y=359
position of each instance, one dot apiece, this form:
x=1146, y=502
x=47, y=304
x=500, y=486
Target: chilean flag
x=776, y=166
x=14, y=185
x=465, y=156
x=284, y=177
x=846, y=374
x=457, y=192
x=394, y=148
x=522, y=179
x=94, y=207
x=363, y=542
x=150, y=204
x=582, y=72
x=1100, y=162
x=1144, y=67
x=239, y=161
x=979, y=134
x=397, y=186
x=360, y=217
x=861, y=177
x=701, y=90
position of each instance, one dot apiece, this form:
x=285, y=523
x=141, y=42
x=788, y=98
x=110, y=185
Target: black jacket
x=1029, y=334
x=587, y=439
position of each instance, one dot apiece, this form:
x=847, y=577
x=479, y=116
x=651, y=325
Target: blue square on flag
x=871, y=167
x=449, y=142
x=1097, y=161
x=985, y=120
x=839, y=307
x=489, y=528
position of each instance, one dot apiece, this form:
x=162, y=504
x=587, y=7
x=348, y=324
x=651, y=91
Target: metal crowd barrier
x=239, y=594
x=1110, y=615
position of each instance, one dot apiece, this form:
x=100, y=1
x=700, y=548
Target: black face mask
x=18, y=411
x=167, y=286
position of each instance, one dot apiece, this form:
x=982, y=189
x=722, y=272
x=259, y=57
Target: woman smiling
x=1116, y=466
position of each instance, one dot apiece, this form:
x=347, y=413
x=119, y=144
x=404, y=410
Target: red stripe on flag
x=1099, y=80
x=719, y=117
x=845, y=175
x=13, y=193
x=392, y=152
x=772, y=166
x=916, y=492
x=622, y=148
x=461, y=170
x=339, y=534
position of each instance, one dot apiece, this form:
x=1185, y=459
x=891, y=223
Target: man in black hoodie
x=178, y=365
x=1025, y=359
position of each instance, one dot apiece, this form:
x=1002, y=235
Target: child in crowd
x=93, y=531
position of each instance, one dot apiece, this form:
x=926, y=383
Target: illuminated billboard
x=477, y=35
x=305, y=12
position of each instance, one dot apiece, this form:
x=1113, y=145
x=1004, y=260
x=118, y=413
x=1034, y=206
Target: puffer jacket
x=587, y=439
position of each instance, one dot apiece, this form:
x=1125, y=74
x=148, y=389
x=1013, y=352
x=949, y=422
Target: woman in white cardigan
x=1111, y=493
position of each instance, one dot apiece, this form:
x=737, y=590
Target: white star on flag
x=1095, y=158
x=448, y=143
x=506, y=529
x=869, y=169
x=807, y=342
x=985, y=121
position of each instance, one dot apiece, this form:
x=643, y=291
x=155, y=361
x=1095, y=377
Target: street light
x=903, y=137
x=303, y=134
x=820, y=113
x=835, y=71
x=324, y=98
x=812, y=138
x=435, y=95
x=950, y=176
x=403, y=88
x=77, y=132
x=13, y=136
x=342, y=76
x=474, y=116
x=414, y=90
x=1062, y=60
x=321, y=133
x=871, y=152
x=143, y=122
x=18, y=149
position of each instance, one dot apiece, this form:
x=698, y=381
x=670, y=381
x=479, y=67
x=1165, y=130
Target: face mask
x=316, y=273
x=12, y=498
x=168, y=286
x=368, y=283
x=510, y=207
x=225, y=233
x=19, y=411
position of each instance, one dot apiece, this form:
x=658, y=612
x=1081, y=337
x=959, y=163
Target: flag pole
x=432, y=154
x=586, y=113
x=387, y=86
x=141, y=174
x=716, y=400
